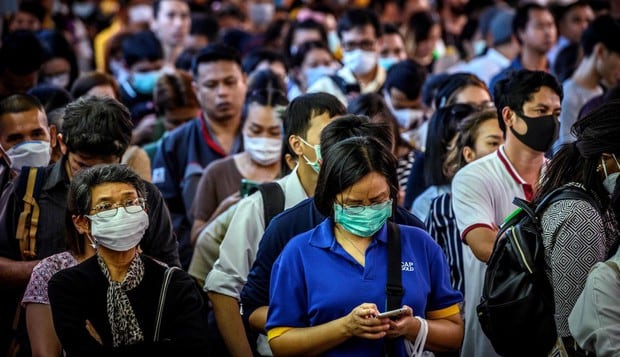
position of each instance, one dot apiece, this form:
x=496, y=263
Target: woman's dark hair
x=173, y=91
x=467, y=135
x=79, y=199
x=442, y=128
x=408, y=77
x=266, y=88
x=298, y=58
x=57, y=46
x=346, y=163
x=253, y=59
x=373, y=105
x=140, y=46
x=348, y=126
x=420, y=24
x=449, y=88
x=596, y=133
x=302, y=25
x=89, y=80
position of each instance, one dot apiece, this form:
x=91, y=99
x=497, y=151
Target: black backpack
x=516, y=311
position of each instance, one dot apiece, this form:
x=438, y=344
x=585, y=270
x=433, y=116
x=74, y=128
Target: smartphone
x=248, y=187
x=393, y=314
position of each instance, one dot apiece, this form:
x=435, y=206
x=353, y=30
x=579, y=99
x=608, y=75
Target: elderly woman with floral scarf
x=110, y=303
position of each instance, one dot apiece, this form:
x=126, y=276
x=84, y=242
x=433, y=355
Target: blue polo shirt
x=299, y=219
x=315, y=281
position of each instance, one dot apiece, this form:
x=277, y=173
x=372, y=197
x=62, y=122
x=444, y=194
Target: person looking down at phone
x=219, y=185
x=328, y=285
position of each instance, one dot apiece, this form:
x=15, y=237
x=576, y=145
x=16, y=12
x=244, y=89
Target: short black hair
x=56, y=46
x=522, y=17
x=391, y=29
x=51, y=97
x=518, y=87
x=204, y=24
x=559, y=11
x=442, y=128
x=355, y=18
x=254, y=58
x=350, y=125
x=79, y=199
x=157, y=5
x=604, y=29
x=33, y=8
x=407, y=76
x=98, y=126
x=302, y=25
x=216, y=52
x=346, y=163
x=373, y=105
x=140, y=46
x=21, y=53
x=307, y=106
x=19, y=103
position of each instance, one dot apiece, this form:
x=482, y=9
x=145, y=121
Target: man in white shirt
x=359, y=32
x=305, y=118
x=504, y=48
x=528, y=104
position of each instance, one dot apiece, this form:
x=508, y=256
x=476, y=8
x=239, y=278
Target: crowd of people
x=257, y=178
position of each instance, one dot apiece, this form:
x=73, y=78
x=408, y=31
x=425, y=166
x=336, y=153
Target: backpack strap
x=273, y=200
x=31, y=178
x=162, y=299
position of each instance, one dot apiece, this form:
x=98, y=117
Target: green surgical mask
x=363, y=221
x=316, y=165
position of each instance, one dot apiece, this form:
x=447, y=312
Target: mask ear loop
x=605, y=166
x=616, y=160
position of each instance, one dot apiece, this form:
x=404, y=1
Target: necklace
x=344, y=235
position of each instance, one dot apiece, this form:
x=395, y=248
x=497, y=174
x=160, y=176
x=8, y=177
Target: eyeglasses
x=366, y=45
x=108, y=210
x=361, y=208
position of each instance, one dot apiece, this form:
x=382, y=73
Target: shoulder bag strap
x=162, y=300
x=29, y=217
x=394, y=289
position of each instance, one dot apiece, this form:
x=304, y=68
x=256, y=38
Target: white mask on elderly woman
x=120, y=232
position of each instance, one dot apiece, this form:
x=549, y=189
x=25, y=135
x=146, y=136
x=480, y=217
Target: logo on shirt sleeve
x=407, y=266
x=159, y=175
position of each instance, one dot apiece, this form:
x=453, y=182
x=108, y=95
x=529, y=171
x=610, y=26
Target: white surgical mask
x=30, y=153
x=120, y=232
x=83, y=9
x=261, y=14
x=264, y=151
x=610, y=180
x=59, y=80
x=360, y=61
x=314, y=74
x=316, y=164
x=407, y=118
x=140, y=13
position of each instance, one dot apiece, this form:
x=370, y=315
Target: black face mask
x=541, y=132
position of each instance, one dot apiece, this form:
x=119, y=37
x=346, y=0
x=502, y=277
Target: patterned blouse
x=575, y=236
x=36, y=291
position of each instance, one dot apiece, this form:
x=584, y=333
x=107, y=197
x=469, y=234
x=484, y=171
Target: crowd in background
x=431, y=114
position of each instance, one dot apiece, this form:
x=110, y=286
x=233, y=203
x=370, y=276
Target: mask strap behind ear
x=605, y=166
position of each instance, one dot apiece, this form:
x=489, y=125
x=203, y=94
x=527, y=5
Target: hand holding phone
x=393, y=314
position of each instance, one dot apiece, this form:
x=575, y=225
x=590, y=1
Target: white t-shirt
x=482, y=194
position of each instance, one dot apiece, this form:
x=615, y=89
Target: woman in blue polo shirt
x=329, y=283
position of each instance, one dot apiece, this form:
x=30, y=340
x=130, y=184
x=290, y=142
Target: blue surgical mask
x=144, y=82
x=314, y=74
x=363, y=221
x=387, y=62
x=316, y=165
